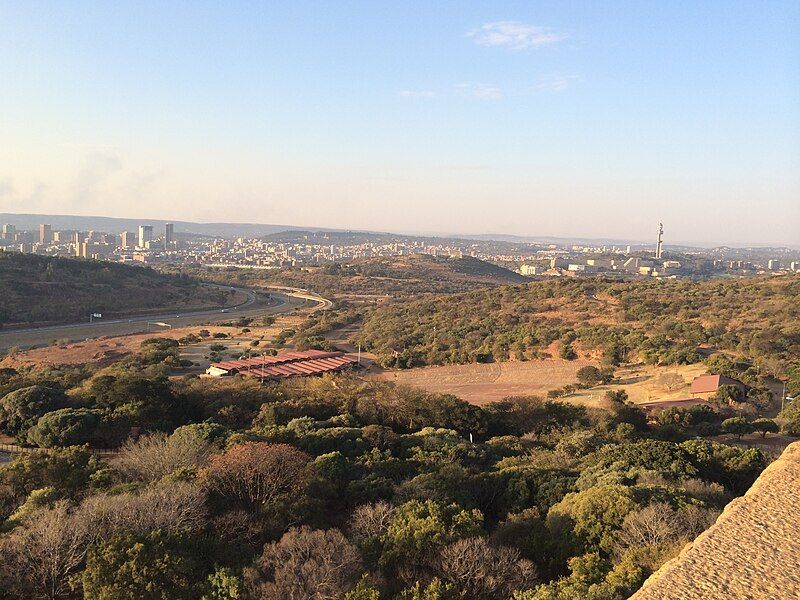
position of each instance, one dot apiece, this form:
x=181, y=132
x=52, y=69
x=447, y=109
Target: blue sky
x=550, y=118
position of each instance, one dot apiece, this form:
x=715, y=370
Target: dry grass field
x=646, y=382
x=484, y=383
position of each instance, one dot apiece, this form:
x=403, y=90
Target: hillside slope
x=662, y=322
x=397, y=276
x=39, y=289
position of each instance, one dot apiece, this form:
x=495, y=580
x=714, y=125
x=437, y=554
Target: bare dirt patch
x=484, y=383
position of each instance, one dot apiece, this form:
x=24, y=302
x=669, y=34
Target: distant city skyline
x=578, y=120
x=33, y=222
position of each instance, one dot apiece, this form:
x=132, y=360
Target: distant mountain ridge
x=31, y=222
x=118, y=225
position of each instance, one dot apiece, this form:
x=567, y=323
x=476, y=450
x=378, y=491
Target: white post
x=783, y=396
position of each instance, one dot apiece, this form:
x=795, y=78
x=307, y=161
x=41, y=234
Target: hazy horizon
x=584, y=120
x=494, y=235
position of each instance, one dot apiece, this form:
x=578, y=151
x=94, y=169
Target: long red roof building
x=282, y=366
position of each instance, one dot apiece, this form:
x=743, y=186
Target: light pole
x=783, y=396
x=263, y=365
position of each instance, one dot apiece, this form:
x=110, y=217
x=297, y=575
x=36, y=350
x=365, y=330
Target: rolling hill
x=663, y=322
x=396, y=276
x=42, y=289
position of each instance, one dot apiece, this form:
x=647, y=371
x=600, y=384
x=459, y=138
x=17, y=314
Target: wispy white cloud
x=6, y=187
x=555, y=83
x=515, y=35
x=548, y=84
x=93, y=176
x=417, y=94
x=479, y=90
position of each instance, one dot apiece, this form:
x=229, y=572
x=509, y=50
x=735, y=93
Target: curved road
x=279, y=302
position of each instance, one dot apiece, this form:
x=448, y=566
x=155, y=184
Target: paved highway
x=36, y=336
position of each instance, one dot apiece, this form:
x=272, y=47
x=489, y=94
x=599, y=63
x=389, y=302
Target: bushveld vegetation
x=341, y=487
x=350, y=488
x=658, y=322
x=395, y=276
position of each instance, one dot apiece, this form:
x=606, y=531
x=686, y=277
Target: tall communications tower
x=660, y=243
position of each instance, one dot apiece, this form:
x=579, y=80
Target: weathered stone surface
x=751, y=552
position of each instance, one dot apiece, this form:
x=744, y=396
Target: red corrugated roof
x=289, y=364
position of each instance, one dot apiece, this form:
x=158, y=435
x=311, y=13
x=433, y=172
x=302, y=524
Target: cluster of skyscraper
x=92, y=244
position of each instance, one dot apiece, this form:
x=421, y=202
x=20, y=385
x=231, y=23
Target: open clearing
x=644, y=383
x=484, y=383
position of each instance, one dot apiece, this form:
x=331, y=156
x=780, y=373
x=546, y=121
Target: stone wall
x=751, y=552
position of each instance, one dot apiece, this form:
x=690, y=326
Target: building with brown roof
x=705, y=386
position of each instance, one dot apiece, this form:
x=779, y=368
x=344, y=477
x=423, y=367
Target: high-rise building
x=76, y=242
x=9, y=231
x=169, y=235
x=660, y=242
x=45, y=234
x=128, y=239
x=774, y=265
x=145, y=235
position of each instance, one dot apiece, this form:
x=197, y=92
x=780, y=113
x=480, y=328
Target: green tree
x=65, y=427
x=735, y=468
x=435, y=590
x=790, y=416
x=363, y=591
x=224, y=584
x=590, y=519
x=589, y=376
x=419, y=529
x=68, y=470
x=728, y=394
x=765, y=426
x=143, y=402
x=737, y=426
x=157, y=566
x=21, y=409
